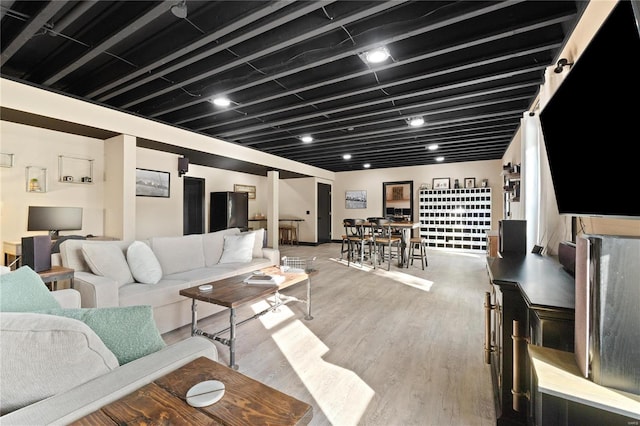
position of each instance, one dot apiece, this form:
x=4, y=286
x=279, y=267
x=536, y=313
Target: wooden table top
x=245, y=402
x=56, y=272
x=233, y=292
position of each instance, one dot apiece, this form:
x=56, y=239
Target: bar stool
x=285, y=234
x=422, y=244
x=355, y=239
x=384, y=241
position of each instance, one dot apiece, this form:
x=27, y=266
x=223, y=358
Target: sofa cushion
x=72, y=257
x=24, y=291
x=129, y=332
x=143, y=263
x=238, y=248
x=177, y=254
x=213, y=243
x=107, y=260
x=43, y=355
x=166, y=291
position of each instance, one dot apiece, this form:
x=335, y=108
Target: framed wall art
x=152, y=183
x=469, y=182
x=251, y=189
x=355, y=199
x=441, y=183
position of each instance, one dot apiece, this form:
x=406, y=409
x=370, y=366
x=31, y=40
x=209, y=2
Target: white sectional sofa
x=67, y=372
x=102, y=278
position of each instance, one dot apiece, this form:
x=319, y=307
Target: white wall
x=33, y=146
x=372, y=180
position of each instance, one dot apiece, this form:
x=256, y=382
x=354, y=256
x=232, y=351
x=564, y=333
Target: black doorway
x=324, y=213
x=193, y=206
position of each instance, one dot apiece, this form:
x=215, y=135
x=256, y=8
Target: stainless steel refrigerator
x=228, y=210
x=607, y=311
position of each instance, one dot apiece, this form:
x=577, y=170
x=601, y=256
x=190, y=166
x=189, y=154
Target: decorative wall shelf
x=75, y=170
x=36, y=179
x=511, y=189
x=6, y=160
x=455, y=219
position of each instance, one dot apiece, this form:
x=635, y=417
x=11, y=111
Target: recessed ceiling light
x=306, y=139
x=432, y=147
x=347, y=156
x=221, y=101
x=378, y=55
x=416, y=121
x=439, y=159
x=366, y=165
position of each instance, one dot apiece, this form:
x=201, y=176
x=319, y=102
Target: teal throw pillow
x=24, y=291
x=128, y=331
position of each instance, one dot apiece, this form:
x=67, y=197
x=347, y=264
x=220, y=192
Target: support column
x=273, y=211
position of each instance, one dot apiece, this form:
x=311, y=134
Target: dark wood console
x=531, y=301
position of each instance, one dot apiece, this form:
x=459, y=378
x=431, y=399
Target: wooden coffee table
x=245, y=401
x=234, y=292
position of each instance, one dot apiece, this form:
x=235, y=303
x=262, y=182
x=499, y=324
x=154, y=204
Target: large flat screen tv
x=591, y=125
x=54, y=219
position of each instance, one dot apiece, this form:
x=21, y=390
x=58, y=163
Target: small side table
x=55, y=274
x=12, y=253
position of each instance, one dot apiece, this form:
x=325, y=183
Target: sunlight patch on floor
x=341, y=395
x=272, y=318
x=356, y=265
x=397, y=276
x=406, y=279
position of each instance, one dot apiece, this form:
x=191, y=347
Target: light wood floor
x=403, y=347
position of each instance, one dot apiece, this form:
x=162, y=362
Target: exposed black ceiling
x=293, y=68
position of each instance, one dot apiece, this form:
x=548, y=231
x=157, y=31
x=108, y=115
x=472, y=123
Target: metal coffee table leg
x=232, y=338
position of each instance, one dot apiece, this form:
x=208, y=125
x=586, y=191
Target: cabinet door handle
x=488, y=347
x=516, y=390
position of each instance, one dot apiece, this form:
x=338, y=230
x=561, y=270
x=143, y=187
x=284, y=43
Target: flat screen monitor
x=590, y=125
x=54, y=219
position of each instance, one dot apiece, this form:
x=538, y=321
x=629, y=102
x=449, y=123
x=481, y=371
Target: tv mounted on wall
x=54, y=219
x=591, y=124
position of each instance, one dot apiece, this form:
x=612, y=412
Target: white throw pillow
x=238, y=248
x=143, y=263
x=258, y=242
x=107, y=260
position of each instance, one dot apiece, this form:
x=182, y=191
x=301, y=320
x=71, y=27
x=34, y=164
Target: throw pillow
x=130, y=332
x=258, y=242
x=24, y=291
x=143, y=263
x=44, y=355
x=238, y=248
x=107, y=260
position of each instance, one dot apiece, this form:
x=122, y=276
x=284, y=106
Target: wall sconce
x=561, y=64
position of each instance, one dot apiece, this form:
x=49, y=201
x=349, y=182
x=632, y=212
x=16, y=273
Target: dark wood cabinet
x=531, y=300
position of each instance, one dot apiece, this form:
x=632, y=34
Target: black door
x=324, y=213
x=193, y=206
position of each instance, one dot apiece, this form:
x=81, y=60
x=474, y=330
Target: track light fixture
x=561, y=64
x=180, y=9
